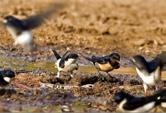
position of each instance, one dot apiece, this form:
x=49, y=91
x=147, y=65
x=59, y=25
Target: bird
x=150, y=71
x=66, y=63
x=6, y=76
x=105, y=63
x=129, y=103
x=20, y=29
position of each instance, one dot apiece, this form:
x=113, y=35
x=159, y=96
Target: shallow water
x=49, y=67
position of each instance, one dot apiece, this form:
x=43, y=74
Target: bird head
x=72, y=56
x=115, y=59
x=120, y=96
x=115, y=56
x=14, y=23
x=7, y=74
x=9, y=19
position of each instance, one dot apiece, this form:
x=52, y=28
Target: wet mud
x=91, y=28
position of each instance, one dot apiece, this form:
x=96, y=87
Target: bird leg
x=71, y=74
x=58, y=74
x=99, y=74
x=101, y=77
x=113, y=78
x=109, y=75
x=156, y=88
x=15, y=43
x=145, y=89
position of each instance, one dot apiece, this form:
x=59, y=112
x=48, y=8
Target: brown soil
x=92, y=27
x=101, y=26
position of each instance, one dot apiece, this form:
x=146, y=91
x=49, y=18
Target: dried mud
x=92, y=27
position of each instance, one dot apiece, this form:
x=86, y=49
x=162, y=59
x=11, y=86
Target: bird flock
x=148, y=71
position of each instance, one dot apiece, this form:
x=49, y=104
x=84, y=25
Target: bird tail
x=36, y=20
x=64, y=55
x=88, y=58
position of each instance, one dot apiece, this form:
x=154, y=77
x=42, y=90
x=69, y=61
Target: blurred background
x=95, y=26
x=98, y=27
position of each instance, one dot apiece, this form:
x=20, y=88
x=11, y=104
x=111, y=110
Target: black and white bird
x=66, y=63
x=6, y=75
x=20, y=29
x=129, y=103
x=150, y=71
x=105, y=63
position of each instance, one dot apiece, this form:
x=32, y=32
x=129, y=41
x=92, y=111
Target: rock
x=66, y=108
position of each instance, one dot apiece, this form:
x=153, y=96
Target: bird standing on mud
x=105, y=63
x=66, y=63
x=150, y=71
x=20, y=29
x=130, y=103
x=6, y=75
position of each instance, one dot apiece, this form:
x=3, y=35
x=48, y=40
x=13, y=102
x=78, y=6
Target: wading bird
x=105, y=63
x=66, y=63
x=150, y=71
x=20, y=29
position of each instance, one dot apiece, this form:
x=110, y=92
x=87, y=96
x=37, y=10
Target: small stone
x=65, y=108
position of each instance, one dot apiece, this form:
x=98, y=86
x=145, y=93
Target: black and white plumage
x=66, y=63
x=129, y=103
x=6, y=75
x=20, y=29
x=105, y=63
x=149, y=71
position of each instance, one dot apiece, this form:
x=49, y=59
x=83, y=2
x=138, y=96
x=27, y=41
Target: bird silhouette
x=150, y=71
x=20, y=29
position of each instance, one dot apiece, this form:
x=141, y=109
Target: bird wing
x=94, y=59
x=56, y=54
x=137, y=102
x=115, y=56
x=88, y=58
x=72, y=56
x=17, y=23
x=36, y=20
x=62, y=61
x=152, y=66
x=102, y=60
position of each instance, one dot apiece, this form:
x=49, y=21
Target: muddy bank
x=92, y=27
x=86, y=93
